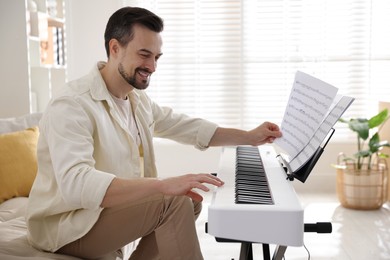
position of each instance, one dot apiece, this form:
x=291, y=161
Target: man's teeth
x=144, y=73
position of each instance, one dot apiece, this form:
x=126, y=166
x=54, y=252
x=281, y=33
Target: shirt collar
x=99, y=89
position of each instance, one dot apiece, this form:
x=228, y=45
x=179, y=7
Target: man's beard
x=132, y=79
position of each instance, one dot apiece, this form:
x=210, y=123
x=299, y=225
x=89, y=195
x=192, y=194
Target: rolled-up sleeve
x=182, y=128
x=204, y=135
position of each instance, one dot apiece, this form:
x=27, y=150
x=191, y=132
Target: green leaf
x=348, y=159
x=382, y=144
x=360, y=126
x=378, y=119
x=373, y=143
x=363, y=153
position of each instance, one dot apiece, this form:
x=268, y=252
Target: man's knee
x=188, y=205
x=197, y=208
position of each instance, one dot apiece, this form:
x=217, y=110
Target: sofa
x=18, y=167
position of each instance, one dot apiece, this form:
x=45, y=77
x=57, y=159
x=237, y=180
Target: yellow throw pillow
x=18, y=163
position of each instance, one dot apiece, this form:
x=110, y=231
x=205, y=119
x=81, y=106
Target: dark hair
x=120, y=25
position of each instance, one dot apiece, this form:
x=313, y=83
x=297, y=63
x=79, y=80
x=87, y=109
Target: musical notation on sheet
x=343, y=102
x=309, y=101
x=312, y=110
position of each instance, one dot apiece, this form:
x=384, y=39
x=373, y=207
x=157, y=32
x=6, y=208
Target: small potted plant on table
x=362, y=179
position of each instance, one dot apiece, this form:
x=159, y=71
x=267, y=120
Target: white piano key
x=280, y=223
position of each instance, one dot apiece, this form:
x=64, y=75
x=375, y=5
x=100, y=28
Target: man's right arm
x=122, y=191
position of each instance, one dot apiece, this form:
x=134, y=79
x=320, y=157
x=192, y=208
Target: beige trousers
x=165, y=224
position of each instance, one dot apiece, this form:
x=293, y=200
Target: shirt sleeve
x=71, y=146
x=182, y=128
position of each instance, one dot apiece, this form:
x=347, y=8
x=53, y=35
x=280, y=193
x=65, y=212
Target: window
x=234, y=61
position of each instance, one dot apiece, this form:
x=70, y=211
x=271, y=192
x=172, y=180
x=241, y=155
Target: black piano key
x=243, y=183
x=243, y=197
x=251, y=180
x=249, y=176
x=242, y=168
x=251, y=186
x=253, y=200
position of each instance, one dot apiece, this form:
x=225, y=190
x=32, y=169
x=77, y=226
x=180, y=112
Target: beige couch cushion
x=12, y=124
x=13, y=208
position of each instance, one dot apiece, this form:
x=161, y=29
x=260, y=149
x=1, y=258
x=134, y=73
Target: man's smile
x=143, y=73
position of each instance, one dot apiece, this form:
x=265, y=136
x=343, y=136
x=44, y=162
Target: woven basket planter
x=363, y=189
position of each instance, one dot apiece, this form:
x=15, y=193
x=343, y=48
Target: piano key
x=249, y=186
x=240, y=209
x=249, y=169
x=253, y=200
x=251, y=182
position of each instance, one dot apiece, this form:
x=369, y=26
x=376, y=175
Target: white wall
x=85, y=24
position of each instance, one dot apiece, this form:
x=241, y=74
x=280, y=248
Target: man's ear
x=114, y=48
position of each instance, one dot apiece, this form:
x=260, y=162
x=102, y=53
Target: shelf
x=55, y=22
x=37, y=71
x=54, y=8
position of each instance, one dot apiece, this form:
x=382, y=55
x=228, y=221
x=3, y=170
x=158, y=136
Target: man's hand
x=264, y=133
x=184, y=185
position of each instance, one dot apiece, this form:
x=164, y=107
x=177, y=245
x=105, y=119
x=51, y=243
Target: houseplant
x=361, y=180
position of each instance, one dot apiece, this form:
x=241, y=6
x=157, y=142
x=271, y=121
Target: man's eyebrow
x=150, y=52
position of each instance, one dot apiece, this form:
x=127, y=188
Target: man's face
x=138, y=59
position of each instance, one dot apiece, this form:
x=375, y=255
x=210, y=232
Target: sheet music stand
x=302, y=173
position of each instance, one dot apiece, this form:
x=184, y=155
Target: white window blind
x=234, y=61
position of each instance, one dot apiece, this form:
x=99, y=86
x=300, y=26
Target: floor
x=357, y=235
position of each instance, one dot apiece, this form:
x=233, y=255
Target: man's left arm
x=264, y=133
x=203, y=133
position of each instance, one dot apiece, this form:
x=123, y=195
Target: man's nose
x=151, y=65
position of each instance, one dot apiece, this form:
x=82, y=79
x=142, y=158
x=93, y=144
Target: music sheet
x=311, y=112
x=341, y=104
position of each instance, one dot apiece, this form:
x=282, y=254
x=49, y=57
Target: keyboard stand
x=246, y=251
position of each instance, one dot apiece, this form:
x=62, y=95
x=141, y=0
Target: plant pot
x=364, y=189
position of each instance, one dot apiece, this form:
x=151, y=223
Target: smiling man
x=96, y=188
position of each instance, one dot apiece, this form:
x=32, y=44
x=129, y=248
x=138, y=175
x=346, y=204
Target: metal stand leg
x=279, y=252
x=246, y=252
x=266, y=254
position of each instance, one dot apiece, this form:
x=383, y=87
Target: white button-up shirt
x=83, y=145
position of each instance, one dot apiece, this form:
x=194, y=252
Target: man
x=96, y=189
